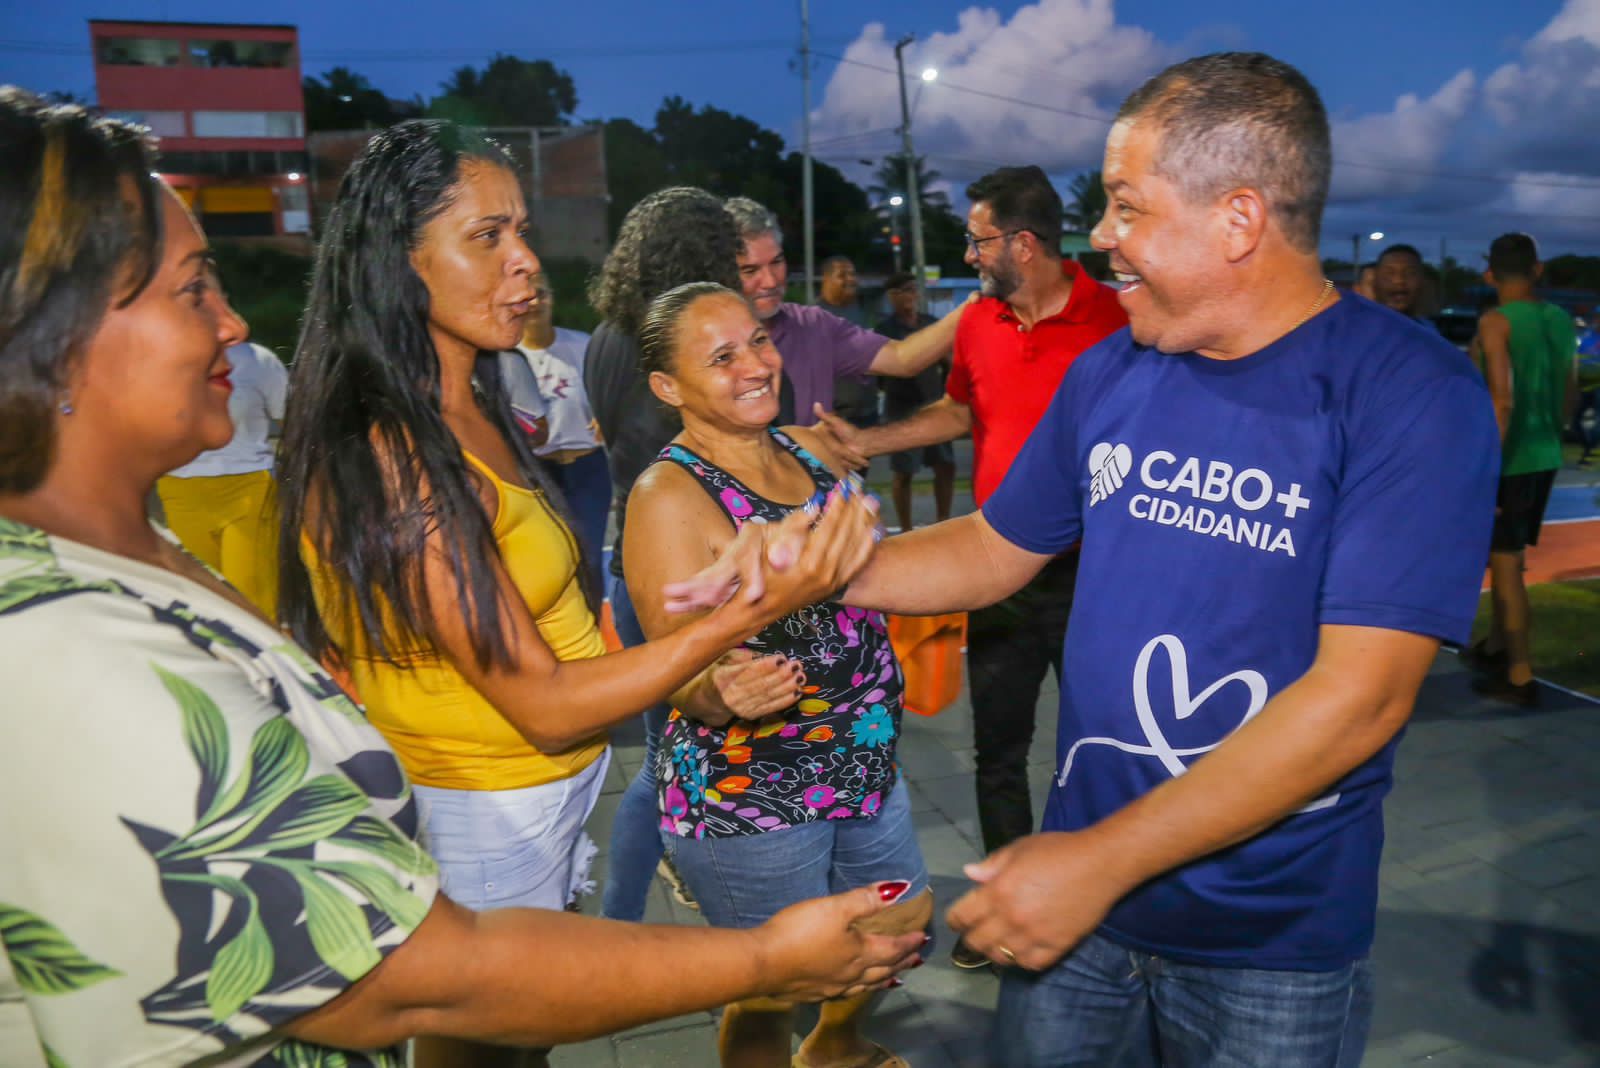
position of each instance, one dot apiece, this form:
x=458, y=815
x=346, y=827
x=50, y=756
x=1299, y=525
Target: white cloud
x=1544, y=104
x=1513, y=149
x=1067, y=55
x=1387, y=154
x=1579, y=19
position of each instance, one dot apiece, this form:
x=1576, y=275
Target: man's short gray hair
x=753, y=219
x=1242, y=119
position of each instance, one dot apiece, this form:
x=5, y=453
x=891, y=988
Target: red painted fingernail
x=927, y=940
x=893, y=890
x=896, y=981
x=919, y=962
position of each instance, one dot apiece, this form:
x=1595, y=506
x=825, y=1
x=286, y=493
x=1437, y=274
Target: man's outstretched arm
x=1041, y=895
x=916, y=352
x=944, y=420
x=954, y=566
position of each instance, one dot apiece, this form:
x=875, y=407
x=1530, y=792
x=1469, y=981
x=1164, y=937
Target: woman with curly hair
x=670, y=238
x=423, y=549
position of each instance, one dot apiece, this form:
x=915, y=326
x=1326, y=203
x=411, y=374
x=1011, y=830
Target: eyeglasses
x=974, y=242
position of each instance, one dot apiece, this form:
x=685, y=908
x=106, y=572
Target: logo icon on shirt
x=1183, y=704
x=1108, y=467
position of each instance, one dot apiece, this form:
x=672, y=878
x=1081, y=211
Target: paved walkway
x=1488, y=950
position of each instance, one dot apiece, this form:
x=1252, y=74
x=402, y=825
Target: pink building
x=226, y=103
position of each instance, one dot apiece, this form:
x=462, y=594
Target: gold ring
x=1010, y=956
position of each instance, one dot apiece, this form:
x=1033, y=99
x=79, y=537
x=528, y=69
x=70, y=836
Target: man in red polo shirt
x=1011, y=351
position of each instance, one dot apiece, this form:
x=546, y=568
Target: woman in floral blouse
x=768, y=796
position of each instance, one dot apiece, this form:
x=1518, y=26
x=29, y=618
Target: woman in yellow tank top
x=423, y=551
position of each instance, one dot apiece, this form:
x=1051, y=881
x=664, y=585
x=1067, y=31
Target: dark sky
x=1437, y=104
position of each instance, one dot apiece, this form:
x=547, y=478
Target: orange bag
x=929, y=649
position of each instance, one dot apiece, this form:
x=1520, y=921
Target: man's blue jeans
x=1111, y=1007
x=635, y=846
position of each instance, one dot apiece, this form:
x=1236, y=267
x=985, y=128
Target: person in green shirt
x=1529, y=351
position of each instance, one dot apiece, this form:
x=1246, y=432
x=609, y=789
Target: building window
x=161, y=123
x=234, y=163
x=139, y=52
x=247, y=124
x=231, y=53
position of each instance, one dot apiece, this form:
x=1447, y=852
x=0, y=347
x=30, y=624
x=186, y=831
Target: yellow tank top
x=444, y=731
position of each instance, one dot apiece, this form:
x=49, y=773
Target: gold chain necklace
x=1327, y=287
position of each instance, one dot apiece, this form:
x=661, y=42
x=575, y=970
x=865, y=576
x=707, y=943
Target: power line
x=862, y=135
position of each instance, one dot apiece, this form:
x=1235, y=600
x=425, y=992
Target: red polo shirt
x=1007, y=374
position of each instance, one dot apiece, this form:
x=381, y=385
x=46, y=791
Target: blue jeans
x=635, y=846
x=1104, y=1005
x=742, y=880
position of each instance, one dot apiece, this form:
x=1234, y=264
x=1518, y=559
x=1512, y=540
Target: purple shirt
x=817, y=348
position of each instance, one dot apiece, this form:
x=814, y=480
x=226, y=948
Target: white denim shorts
x=514, y=848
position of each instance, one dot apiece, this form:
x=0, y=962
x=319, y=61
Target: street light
x=918, y=256
x=1355, y=254
x=896, y=200
x=929, y=74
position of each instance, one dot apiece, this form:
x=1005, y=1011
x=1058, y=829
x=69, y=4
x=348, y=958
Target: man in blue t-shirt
x=1271, y=555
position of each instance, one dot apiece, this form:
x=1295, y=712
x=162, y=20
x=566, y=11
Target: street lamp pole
x=805, y=136
x=913, y=194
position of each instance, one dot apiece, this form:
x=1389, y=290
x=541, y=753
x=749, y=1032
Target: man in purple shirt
x=818, y=346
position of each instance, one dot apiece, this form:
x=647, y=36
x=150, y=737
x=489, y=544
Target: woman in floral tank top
x=776, y=774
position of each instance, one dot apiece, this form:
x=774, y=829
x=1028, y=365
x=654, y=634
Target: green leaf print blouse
x=201, y=837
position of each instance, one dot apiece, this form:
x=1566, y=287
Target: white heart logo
x=1184, y=705
x=1108, y=468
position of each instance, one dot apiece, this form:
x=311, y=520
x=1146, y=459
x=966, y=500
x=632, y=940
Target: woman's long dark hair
x=363, y=431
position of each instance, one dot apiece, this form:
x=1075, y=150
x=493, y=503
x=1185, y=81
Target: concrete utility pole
x=805, y=137
x=918, y=255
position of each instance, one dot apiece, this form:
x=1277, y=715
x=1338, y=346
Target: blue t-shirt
x=1344, y=474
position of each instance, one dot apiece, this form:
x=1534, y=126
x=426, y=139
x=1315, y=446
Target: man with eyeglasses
x=818, y=347
x=1037, y=313
x=544, y=376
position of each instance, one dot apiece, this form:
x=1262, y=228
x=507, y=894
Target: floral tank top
x=831, y=755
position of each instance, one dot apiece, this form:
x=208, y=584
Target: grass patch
x=1566, y=620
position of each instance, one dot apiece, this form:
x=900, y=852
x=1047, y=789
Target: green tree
x=943, y=242
x=635, y=168
x=719, y=150
x=890, y=178
x=1573, y=272
x=343, y=100
x=508, y=92
x=1086, y=202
